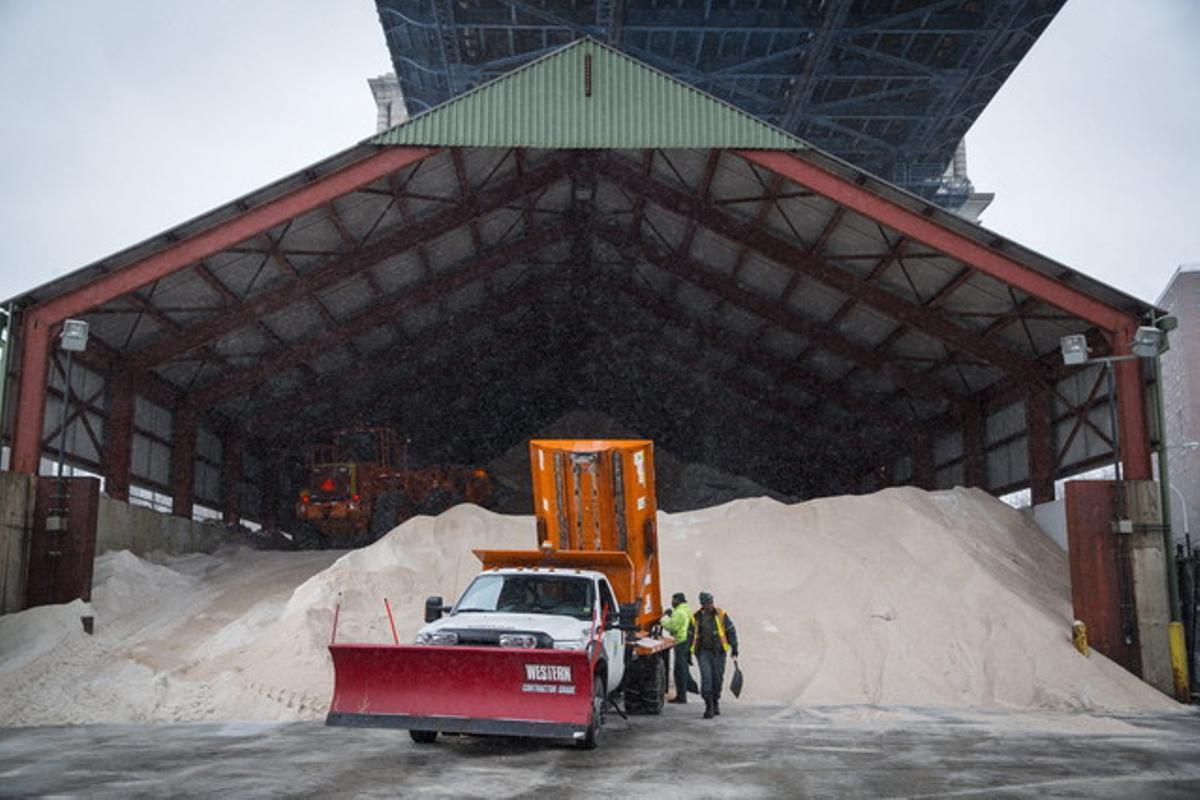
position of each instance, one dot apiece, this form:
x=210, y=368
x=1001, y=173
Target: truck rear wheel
x=591, y=738
x=645, y=685
x=423, y=737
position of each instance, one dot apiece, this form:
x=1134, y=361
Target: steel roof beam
x=933, y=234
x=334, y=272
x=723, y=340
x=797, y=258
x=295, y=354
x=780, y=313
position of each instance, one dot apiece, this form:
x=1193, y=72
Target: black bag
x=693, y=687
x=735, y=685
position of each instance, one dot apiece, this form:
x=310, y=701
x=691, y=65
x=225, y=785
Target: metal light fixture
x=1148, y=341
x=74, y=336
x=1074, y=349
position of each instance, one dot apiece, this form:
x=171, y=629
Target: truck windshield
x=529, y=594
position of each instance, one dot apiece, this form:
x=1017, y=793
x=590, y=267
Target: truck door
x=614, y=640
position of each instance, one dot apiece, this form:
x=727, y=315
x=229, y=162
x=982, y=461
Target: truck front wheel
x=591, y=738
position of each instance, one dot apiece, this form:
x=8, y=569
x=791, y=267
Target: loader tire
x=645, y=685
x=307, y=537
x=591, y=738
x=387, y=511
x=423, y=737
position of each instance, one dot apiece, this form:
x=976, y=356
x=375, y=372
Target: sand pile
x=947, y=599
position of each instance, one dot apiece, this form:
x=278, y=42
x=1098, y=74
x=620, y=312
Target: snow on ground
x=902, y=598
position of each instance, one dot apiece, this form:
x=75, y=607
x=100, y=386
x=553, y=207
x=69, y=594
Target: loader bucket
x=475, y=690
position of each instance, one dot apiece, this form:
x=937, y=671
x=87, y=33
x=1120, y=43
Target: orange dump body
x=595, y=506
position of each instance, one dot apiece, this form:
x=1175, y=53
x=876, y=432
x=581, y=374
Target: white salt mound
x=948, y=599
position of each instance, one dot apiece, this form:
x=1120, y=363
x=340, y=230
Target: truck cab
x=534, y=608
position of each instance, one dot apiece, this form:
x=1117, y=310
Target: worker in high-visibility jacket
x=713, y=635
x=678, y=623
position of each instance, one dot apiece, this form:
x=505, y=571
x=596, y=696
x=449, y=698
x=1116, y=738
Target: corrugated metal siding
x=545, y=104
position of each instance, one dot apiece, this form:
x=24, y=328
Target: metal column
x=183, y=463
x=1040, y=445
x=118, y=436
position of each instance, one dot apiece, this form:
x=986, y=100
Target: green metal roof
x=552, y=103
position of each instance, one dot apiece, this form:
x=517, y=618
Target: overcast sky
x=121, y=119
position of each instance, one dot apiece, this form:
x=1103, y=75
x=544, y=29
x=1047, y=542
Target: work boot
x=708, y=708
x=680, y=697
x=716, y=707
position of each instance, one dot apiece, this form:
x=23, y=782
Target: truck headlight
x=569, y=644
x=441, y=638
x=518, y=640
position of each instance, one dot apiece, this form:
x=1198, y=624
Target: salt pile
x=948, y=599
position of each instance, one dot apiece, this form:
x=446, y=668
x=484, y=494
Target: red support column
x=1131, y=411
x=922, y=461
x=974, y=450
x=231, y=476
x=183, y=463
x=118, y=436
x=1039, y=444
x=31, y=395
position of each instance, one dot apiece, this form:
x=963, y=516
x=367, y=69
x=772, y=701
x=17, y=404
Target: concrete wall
x=16, y=507
x=1148, y=563
x=121, y=526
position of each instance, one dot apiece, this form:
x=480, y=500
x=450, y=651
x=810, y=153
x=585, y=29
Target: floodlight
x=1147, y=342
x=1074, y=349
x=74, y=336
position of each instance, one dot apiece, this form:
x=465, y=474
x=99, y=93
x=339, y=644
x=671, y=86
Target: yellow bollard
x=1079, y=636
x=1179, y=666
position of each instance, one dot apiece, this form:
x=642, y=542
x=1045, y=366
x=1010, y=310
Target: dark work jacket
x=708, y=628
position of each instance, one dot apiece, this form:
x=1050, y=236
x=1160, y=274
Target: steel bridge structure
x=889, y=85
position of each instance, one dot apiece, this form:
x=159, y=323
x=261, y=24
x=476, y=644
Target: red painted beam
x=408, y=237
x=31, y=395
x=183, y=462
x=934, y=234
x=187, y=252
x=1039, y=439
x=785, y=252
x=118, y=436
x=381, y=314
x=1131, y=410
x=975, y=466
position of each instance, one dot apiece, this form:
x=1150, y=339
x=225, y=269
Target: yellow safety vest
x=720, y=631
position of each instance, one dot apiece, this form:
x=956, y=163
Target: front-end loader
x=542, y=641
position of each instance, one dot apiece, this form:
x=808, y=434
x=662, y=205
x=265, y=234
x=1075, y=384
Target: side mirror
x=434, y=609
x=612, y=621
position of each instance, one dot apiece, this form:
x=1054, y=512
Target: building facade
x=1181, y=397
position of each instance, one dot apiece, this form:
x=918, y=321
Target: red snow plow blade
x=478, y=690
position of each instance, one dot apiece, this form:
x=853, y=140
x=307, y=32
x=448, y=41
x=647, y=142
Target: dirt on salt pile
x=946, y=599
